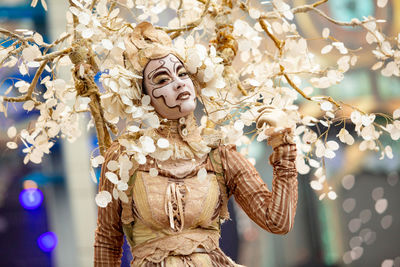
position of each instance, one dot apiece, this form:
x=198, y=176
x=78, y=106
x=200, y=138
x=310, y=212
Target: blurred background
x=48, y=213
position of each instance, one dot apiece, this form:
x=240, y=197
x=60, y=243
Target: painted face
x=170, y=88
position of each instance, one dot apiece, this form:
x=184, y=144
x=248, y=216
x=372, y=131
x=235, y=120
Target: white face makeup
x=170, y=88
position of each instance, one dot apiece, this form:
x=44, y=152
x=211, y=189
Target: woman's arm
x=273, y=210
x=109, y=234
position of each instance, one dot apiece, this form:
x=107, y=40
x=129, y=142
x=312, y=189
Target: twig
x=178, y=31
x=54, y=54
x=56, y=42
x=32, y=86
x=14, y=35
x=94, y=2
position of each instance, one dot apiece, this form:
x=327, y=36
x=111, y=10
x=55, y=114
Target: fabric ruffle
x=184, y=243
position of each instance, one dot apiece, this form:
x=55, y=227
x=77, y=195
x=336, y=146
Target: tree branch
x=53, y=55
x=178, y=31
x=32, y=86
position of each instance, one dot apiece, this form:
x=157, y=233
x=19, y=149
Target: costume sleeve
x=109, y=233
x=273, y=210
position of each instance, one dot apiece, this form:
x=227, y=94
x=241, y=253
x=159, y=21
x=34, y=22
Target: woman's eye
x=182, y=74
x=161, y=80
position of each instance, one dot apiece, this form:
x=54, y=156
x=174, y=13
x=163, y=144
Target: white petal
x=326, y=49
x=325, y=33
x=87, y=33
x=163, y=143
x=396, y=114
x=326, y=106
x=107, y=44
x=93, y=175
x=153, y=172
x=112, y=165
x=320, y=150
x=238, y=125
x=388, y=152
x=12, y=132
x=254, y=13
x=381, y=3
x=112, y=177
x=133, y=128
x=97, y=161
x=332, y=195
x=122, y=186
x=316, y=185
x=140, y=158
x=12, y=145
x=329, y=154
x=332, y=145
x=349, y=139
x=103, y=198
x=314, y=163
x=381, y=205
x=377, y=65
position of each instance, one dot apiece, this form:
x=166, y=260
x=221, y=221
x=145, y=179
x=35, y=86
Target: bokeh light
x=47, y=241
x=29, y=184
x=31, y=198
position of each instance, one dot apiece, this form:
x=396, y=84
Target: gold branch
x=14, y=35
x=56, y=42
x=178, y=31
x=32, y=86
x=54, y=54
x=278, y=43
x=94, y=2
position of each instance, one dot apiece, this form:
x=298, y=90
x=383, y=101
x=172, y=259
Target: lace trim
x=184, y=243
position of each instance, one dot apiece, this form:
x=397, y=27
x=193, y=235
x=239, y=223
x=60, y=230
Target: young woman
x=173, y=214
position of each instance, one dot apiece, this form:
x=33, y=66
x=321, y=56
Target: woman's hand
x=279, y=129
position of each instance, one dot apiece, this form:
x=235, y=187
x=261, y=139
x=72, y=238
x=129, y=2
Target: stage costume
x=173, y=219
x=176, y=203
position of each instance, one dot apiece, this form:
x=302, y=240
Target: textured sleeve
x=273, y=210
x=109, y=234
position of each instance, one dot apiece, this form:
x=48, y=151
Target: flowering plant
x=245, y=56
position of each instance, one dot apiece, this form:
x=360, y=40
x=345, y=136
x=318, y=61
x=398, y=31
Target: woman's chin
x=187, y=108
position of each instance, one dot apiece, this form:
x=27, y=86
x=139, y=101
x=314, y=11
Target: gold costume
x=173, y=219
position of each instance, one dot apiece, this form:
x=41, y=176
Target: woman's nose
x=179, y=84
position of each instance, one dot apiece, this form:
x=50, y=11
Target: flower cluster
x=273, y=68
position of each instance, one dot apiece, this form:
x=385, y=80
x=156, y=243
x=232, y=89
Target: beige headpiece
x=146, y=43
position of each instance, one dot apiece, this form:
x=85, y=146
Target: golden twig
x=32, y=86
x=54, y=54
x=94, y=2
x=178, y=31
x=14, y=35
x=56, y=42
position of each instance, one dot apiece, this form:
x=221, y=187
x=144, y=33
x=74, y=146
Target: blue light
x=47, y=241
x=31, y=198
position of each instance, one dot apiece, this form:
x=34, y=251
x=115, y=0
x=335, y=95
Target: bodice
x=171, y=205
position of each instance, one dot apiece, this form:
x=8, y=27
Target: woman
x=175, y=207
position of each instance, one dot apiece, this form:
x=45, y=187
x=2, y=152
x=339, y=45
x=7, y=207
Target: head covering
x=146, y=43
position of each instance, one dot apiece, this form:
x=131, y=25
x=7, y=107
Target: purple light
x=31, y=198
x=47, y=241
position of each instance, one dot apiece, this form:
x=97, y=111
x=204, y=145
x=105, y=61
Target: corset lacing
x=175, y=204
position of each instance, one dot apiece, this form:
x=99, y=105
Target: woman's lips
x=183, y=96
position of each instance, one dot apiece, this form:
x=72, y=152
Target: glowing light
x=47, y=241
x=29, y=184
x=31, y=198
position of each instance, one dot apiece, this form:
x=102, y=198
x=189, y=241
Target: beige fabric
x=146, y=43
x=150, y=223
